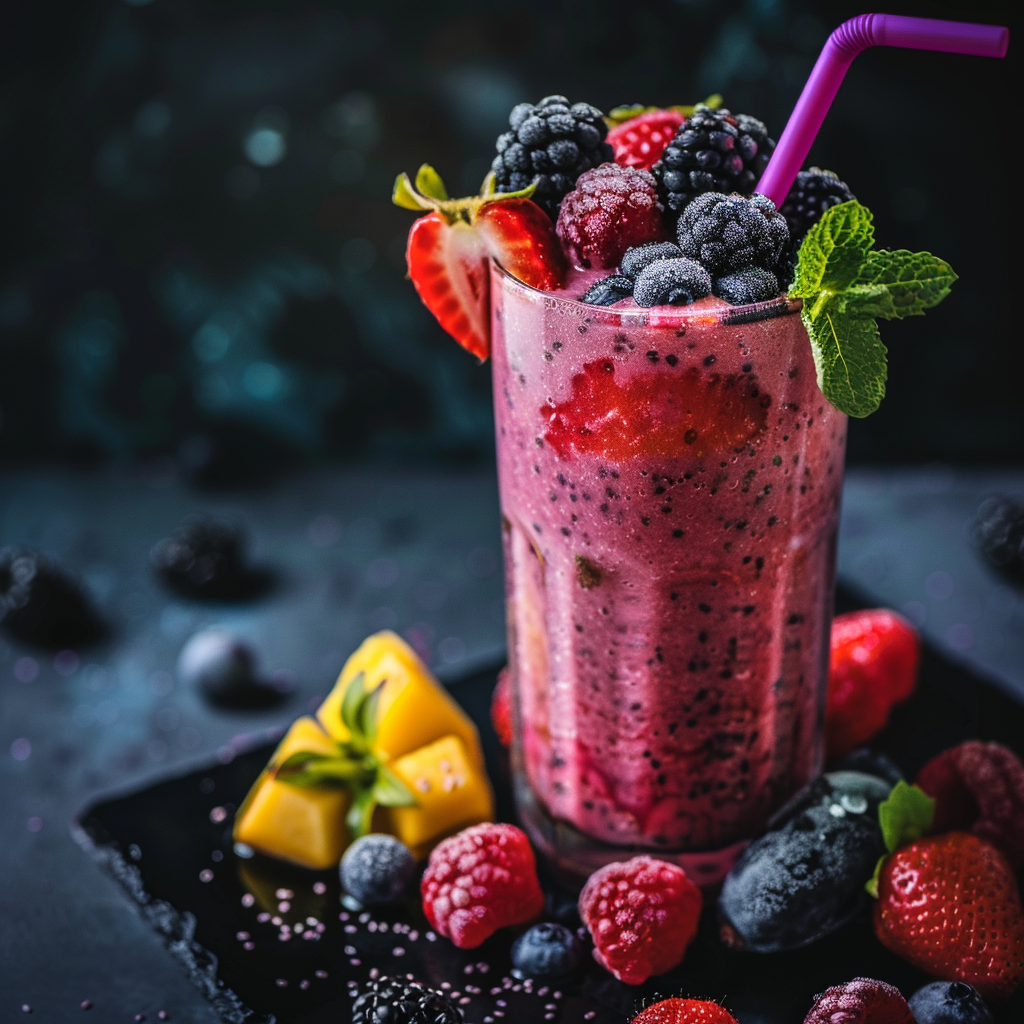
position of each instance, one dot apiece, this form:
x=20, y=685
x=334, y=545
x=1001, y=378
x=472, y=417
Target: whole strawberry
x=641, y=914
x=640, y=141
x=684, y=1011
x=873, y=665
x=979, y=787
x=861, y=1001
x=480, y=880
x=949, y=905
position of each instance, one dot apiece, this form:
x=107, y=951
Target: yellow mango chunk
x=414, y=710
x=451, y=793
x=306, y=826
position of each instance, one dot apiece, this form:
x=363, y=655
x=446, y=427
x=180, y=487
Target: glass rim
x=781, y=305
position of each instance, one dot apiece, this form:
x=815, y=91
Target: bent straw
x=837, y=55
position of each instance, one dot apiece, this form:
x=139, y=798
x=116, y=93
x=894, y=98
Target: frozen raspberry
x=480, y=880
x=684, y=1011
x=642, y=914
x=610, y=209
x=861, y=1001
x=501, y=707
x=979, y=787
x=640, y=141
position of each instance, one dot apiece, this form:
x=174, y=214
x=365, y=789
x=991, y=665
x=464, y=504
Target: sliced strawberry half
x=449, y=250
x=640, y=141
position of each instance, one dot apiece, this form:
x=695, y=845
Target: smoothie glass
x=670, y=486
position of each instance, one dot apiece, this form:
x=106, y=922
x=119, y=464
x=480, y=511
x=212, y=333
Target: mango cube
x=306, y=826
x=415, y=709
x=451, y=793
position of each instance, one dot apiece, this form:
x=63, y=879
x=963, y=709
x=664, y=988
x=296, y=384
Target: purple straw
x=837, y=55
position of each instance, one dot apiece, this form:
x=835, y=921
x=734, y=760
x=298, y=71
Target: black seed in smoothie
x=777, y=460
x=794, y=371
x=666, y=509
x=566, y=531
x=747, y=367
x=705, y=608
x=710, y=360
x=652, y=356
x=677, y=533
x=690, y=436
x=772, y=520
x=548, y=357
x=671, y=359
x=645, y=520
x=588, y=575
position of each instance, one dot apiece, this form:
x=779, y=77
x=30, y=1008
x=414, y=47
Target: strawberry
x=640, y=141
x=873, y=666
x=449, y=250
x=684, y=1011
x=947, y=904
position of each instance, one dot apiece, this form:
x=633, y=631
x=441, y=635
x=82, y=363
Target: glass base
x=573, y=856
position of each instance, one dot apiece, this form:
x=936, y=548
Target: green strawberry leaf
x=906, y=815
x=355, y=692
x=849, y=358
x=832, y=253
x=915, y=281
x=404, y=195
x=390, y=791
x=871, y=885
x=429, y=183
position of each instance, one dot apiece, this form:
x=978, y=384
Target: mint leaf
x=390, y=791
x=367, y=714
x=849, y=357
x=915, y=281
x=360, y=815
x=351, y=702
x=867, y=301
x=905, y=816
x=832, y=253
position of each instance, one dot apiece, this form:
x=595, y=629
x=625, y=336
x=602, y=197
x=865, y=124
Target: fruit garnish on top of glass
x=676, y=345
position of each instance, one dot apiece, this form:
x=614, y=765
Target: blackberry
x=608, y=291
x=755, y=284
x=999, y=535
x=674, y=282
x=730, y=233
x=551, y=143
x=813, y=192
x=641, y=256
x=394, y=1001
x=546, y=951
x=205, y=558
x=43, y=605
x=377, y=869
x=714, y=151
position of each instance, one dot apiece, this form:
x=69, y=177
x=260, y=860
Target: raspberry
x=480, y=880
x=730, y=233
x=610, y=209
x=640, y=141
x=684, y=1011
x=641, y=914
x=979, y=787
x=501, y=707
x=861, y=1001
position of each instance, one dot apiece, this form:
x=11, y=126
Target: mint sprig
x=845, y=285
x=906, y=815
x=355, y=766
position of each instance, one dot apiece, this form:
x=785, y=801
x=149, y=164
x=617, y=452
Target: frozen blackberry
x=755, y=284
x=551, y=143
x=546, y=951
x=730, y=233
x=999, y=534
x=676, y=282
x=43, y=605
x=608, y=291
x=394, y=1001
x=377, y=869
x=205, y=558
x=641, y=256
x=714, y=151
x=813, y=192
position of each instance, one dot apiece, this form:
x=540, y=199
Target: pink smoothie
x=670, y=486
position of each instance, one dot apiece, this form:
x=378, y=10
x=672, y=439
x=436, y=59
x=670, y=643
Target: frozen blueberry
x=675, y=282
x=641, y=256
x=223, y=669
x=546, y=951
x=805, y=877
x=949, y=1002
x=377, y=869
x=608, y=291
x=755, y=284
x=871, y=762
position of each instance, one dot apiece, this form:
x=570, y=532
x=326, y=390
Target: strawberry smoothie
x=670, y=487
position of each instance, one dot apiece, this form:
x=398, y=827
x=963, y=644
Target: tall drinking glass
x=670, y=488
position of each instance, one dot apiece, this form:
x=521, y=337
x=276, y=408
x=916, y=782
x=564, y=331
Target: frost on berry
x=611, y=209
x=480, y=880
x=861, y=1001
x=641, y=914
x=979, y=787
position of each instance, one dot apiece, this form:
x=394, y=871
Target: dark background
x=200, y=266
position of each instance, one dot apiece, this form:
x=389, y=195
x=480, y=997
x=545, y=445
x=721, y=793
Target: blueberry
x=674, y=282
x=755, y=284
x=608, y=291
x=546, y=951
x=377, y=869
x=872, y=763
x=641, y=256
x=223, y=669
x=805, y=877
x=949, y=1002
